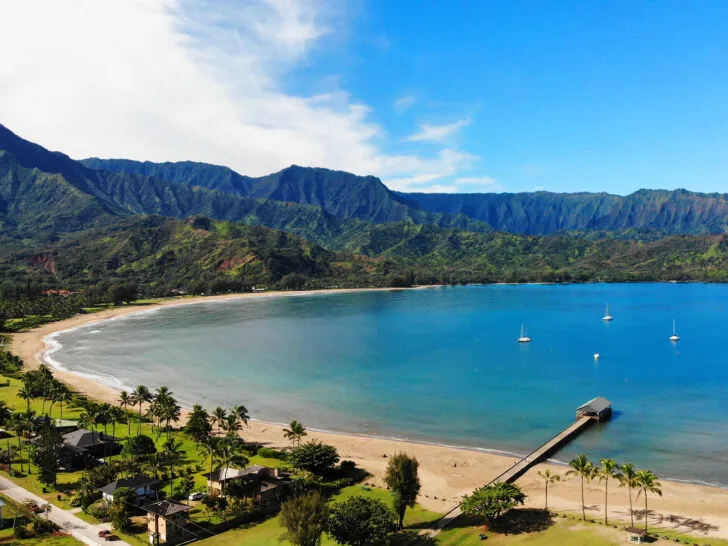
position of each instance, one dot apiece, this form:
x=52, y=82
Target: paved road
x=79, y=529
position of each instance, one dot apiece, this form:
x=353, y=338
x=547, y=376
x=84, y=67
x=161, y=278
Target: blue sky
x=428, y=95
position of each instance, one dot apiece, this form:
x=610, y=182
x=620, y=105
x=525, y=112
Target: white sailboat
x=674, y=336
x=607, y=316
x=524, y=338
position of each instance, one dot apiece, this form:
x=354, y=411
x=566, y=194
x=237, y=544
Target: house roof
x=225, y=474
x=271, y=484
x=598, y=405
x=83, y=438
x=636, y=531
x=140, y=480
x=165, y=508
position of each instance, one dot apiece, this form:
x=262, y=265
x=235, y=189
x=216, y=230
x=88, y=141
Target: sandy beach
x=446, y=472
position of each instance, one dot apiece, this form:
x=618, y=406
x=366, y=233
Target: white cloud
x=404, y=103
x=170, y=80
x=437, y=133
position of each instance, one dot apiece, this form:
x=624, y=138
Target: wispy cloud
x=404, y=103
x=437, y=133
x=170, y=80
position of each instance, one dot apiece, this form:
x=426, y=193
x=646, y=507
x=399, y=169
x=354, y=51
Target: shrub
x=21, y=532
x=315, y=457
x=99, y=510
x=269, y=453
x=139, y=446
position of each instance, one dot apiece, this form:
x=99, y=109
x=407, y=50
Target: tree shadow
x=410, y=538
x=523, y=520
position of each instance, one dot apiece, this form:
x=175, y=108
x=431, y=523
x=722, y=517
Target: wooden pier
x=598, y=409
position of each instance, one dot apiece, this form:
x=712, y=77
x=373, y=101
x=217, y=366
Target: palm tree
x=172, y=451
x=46, y=379
x=232, y=425
x=63, y=398
x=29, y=422
x=104, y=415
x=26, y=394
x=140, y=395
x=116, y=415
x=4, y=412
x=548, y=477
x=208, y=449
x=242, y=413
x=229, y=455
x=295, y=433
x=16, y=424
x=609, y=469
x=125, y=401
x=647, y=483
x=218, y=417
x=628, y=478
x=580, y=466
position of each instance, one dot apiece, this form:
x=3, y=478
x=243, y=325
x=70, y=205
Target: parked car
x=199, y=495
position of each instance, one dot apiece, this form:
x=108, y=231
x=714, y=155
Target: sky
x=450, y=96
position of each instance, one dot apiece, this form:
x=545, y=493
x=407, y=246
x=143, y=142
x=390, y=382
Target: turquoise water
x=443, y=365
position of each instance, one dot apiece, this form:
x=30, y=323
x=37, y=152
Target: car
x=197, y=496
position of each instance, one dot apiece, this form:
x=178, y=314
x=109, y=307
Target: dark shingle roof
x=165, y=508
x=85, y=438
x=140, y=480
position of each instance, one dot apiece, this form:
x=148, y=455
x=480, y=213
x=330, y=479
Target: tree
x=315, y=457
x=139, y=446
x=120, y=509
x=228, y=454
x=218, y=417
x=492, y=501
x=609, y=469
x=185, y=486
x=548, y=477
x=46, y=452
x=359, y=521
x=209, y=449
x=295, y=433
x=125, y=400
x=241, y=412
x=403, y=481
x=628, y=479
x=139, y=397
x=198, y=426
x=26, y=394
x=648, y=483
x=171, y=451
x=305, y=518
x=580, y=466
x=4, y=412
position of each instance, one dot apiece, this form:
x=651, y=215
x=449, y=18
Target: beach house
x=167, y=522
x=142, y=485
x=266, y=485
x=81, y=447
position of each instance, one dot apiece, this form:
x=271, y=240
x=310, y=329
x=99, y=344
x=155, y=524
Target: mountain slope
x=541, y=213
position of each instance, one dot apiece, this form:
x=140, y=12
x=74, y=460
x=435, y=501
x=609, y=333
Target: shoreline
x=446, y=472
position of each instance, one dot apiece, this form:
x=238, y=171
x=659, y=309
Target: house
x=142, y=485
x=267, y=485
x=217, y=480
x=64, y=426
x=598, y=408
x=95, y=444
x=167, y=522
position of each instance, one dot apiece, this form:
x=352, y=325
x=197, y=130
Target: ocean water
x=442, y=365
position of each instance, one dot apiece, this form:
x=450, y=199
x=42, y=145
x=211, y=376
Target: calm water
x=442, y=365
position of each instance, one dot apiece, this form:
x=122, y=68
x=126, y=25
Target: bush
x=99, y=510
x=139, y=446
x=21, y=532
x=269, y=453
x=315, y=457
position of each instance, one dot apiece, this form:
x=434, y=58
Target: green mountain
x=541, y=213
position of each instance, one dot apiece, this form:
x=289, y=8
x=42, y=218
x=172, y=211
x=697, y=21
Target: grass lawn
x=270, y=531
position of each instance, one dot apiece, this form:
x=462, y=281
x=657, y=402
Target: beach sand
x=446, y=472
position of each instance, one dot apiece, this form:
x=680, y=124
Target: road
x=69, y=523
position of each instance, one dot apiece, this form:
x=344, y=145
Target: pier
x=595, y=410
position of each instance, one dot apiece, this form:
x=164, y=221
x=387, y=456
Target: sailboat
x=524, y=338
x=674, y=336
x=607, y=316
